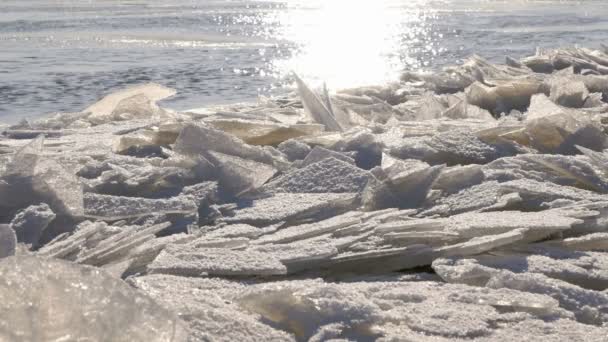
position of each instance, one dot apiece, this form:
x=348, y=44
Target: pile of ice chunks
x=466, y=204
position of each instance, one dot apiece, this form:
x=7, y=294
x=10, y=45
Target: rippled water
x=60, y=55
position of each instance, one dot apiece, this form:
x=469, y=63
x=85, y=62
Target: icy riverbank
x=464, y=205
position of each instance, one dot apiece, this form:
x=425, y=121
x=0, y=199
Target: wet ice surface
x=401, y=211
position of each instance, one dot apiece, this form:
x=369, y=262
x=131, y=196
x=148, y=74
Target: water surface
x=60, y=55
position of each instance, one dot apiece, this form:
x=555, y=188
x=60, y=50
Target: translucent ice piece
x=317, y=110
x=237, y=175
x=198, y=139
x=137, y=101
x=568, y=93
x=53, y=300
x=263, y=132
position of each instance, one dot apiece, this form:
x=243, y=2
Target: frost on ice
x=468, y=204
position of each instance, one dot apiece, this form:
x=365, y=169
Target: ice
x=326, y=176
x=566, y=93
x=238, y=175
x=503, y=97
x=456, y=178
x=407, y=189
x=294, y=149
x=263, y=132
x=567, y=268
x=588, y=306
x=53, y=300
x=466, y=204
x=209, y=315
x=118, y=245
x=292, y=207
x=30, y=178
x=198, y=139
x=315, y=108
x=319, y=153
x=306, y=231
x=191, y=261
x=595, y=241
x=551, y=128
x=147, y=139
x=8, y=241
x=133, y=102
x=30, y=223
x=120, y=207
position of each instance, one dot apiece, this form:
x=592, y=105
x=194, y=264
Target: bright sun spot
x=345, y=43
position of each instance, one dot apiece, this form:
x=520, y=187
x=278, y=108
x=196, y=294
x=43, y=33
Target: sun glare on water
x=344, y=43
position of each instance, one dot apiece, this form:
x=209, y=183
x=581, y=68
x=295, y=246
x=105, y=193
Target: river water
x=60, y=55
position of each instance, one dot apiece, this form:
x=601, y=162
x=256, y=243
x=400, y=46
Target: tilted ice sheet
x=47, y=299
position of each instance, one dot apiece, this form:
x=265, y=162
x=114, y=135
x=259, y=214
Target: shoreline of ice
x=468, y=204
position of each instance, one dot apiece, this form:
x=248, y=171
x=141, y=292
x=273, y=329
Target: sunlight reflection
x=345, y=43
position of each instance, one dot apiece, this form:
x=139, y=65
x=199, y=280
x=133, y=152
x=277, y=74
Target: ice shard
x=47, y=299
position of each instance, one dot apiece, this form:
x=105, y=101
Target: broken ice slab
x=294, y=149
x=238, y=231
x=483, y=244
x=384, y=260
x=49, y=300
x=137, y=259
x=568, y=93
x=372, y=308
x=30, y=222
x=429, y=238
x=237, y=175
x=456, y=178
x=504, y=97
x=326, y=176
x=407, y=189
x=302, y=255
x=210, y=314
x=305, y=231
x=30, y=178
x=472, y=225
x=193, y=261
x=456, y=147
x=150, y=137
x=195, y=139
x=8, y=241
x=319, y=153
x=588, y=242
x=315, y=108
x=582, y=174
x=291, y=208
x=117, y=246
x=570, y=270
x=588, y=306
x=67, y=246
x=134, y=102
x=551, y=128
x=599, y=159
x=264, y=132
x=108, y=207
x=59, y=188
x=542, y=195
